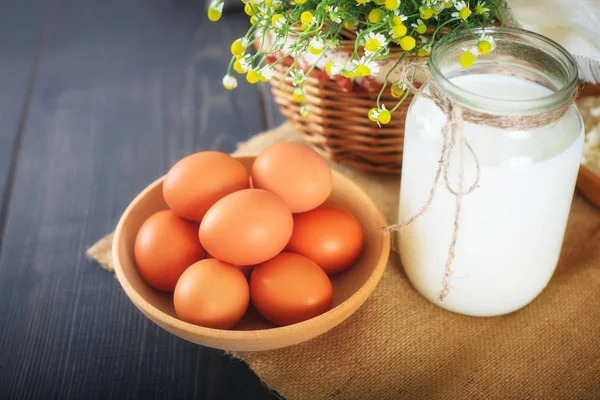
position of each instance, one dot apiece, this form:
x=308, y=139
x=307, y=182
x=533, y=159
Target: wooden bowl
x=587, y=181
x=589, y=184
x=351, y=288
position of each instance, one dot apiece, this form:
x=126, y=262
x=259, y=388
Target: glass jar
x=511, y=226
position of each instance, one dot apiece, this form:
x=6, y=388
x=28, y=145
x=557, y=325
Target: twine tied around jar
x=452, y=135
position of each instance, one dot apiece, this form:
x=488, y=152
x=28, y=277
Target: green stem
x=386, y=80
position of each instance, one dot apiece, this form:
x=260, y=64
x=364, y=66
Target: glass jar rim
x=477, y=101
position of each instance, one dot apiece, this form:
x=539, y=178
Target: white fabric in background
x=575, y=24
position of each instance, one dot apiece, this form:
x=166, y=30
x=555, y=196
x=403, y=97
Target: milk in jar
x=512, y=226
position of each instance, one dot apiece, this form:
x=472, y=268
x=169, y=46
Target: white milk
x=512, y=226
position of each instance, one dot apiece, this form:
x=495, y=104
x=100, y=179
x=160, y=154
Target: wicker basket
x=338, y=126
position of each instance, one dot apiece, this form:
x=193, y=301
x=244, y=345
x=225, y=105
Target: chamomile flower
x=425, y=49
x=419, y=26
x=398, y=89
x=215, y=10
x=380, y=115
x=350, y=24
x=229, y=82
x=333, y=68
x=425, y=12
x=304, y=111
x=278, y=20
x=397, y=18
x=242, y=65
x=299, y=95
x=366, y=67
x=306, y=17
x=374, y=43
x=486, y=44
x=468, y=57
x=376, y=15
x=297, y=77
x=349, y=70
x=362, y=2
x=316, y=45
x=481, y=9
x=408, y=43
x=334, y=16
x=398, y=31
x=239, y=46
x=266, y=73
x=392, y=4
x=253, y=76
x=462, y=10
x=438, y=8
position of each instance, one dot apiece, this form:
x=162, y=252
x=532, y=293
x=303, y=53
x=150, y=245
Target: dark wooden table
x=97, y=99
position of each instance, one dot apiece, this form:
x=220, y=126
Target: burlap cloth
x=398, y=345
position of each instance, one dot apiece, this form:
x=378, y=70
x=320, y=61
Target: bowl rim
x=589, y=174
x=358, y=297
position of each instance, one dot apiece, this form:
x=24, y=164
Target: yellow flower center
x=315, y=50
x=399, y=30
x=422, y=52
x=363, y=70
x=304, y=111
x=421, y=29
x=479, y=9
x=214, y=15
x=436, y=11
x=448, y=4
x=464, y=13
x=329, y=66
x=300, y=1
x=304, y=27
x=397, y=91
x=350, y=24
x=237, y=48
x=362, y=1
x=484, y=46
x=384, y=117
x=253, y=76
x=392, y=4
x=276, y=18
x=253, y=20
x=372, y=45
x=237, y=66
x=299, y=95
x=426, y=13
x=306, y=17
x=380, y=2
x=249, y=10
x=467, y=59
x=395, y=20
x=376, y=15
x=269, y=3
x=408, y=43
x=348, y=74
x=372, y=114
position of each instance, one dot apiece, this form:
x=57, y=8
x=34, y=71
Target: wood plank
x=21, y=29
x=125, y=89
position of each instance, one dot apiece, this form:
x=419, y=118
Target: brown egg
x=289, y=289
x=213, y=294
x=164, y=247
x=329, y=236
x=295, y=172
x=246, y=227
x=197, y=181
